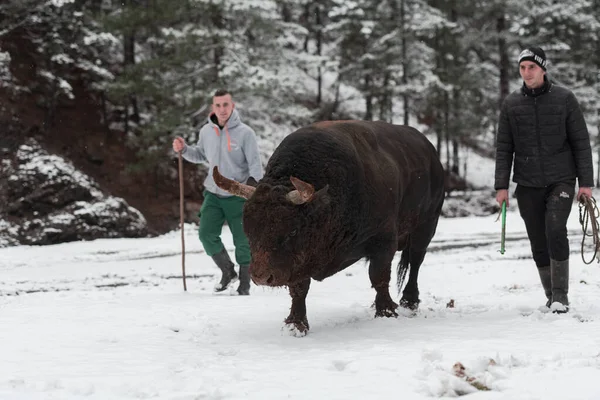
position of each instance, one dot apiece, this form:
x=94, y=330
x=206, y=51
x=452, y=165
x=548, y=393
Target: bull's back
x=399, y=156
x=422, y=176
x=400, y=142
x=405, y=144
x=387, y=155
x=399, y=146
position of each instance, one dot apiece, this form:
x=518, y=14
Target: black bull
x=336, y=192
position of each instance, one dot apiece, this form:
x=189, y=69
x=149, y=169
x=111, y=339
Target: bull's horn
x=231, y=186
x=303, y=193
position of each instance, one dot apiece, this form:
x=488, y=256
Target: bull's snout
x=265, y=276
x=261, y=276
x=264, y=280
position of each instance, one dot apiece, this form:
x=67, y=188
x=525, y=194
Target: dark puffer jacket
x=545, y=130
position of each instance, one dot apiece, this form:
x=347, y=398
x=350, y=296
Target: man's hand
x=178, y=144
x=584, y=191
x=502, y=196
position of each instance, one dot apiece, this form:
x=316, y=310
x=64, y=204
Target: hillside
x=77, y=135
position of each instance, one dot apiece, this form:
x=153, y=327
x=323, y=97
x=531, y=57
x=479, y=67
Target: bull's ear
x=322, y=197
x=252, y=182
x=303, y=193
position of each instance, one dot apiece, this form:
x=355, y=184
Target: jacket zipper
x=539, y=141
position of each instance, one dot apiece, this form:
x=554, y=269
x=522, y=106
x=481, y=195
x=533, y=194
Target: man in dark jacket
x=542, y=127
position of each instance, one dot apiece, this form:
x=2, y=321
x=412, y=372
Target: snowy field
x=109, y=319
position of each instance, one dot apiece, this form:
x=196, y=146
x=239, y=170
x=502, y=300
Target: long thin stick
x=503, y=235
x=181, y=219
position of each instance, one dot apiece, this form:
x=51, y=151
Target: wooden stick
x=503, y=233
x=181, y=218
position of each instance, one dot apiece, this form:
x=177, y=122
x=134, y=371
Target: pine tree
x=571, y=40
x=64, y=44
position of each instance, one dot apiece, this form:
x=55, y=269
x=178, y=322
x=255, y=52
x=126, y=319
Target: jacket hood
x=233, y=121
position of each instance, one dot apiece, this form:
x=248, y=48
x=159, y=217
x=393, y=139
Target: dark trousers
x=545, y=212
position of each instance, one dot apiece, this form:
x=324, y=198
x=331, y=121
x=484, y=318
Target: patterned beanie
x=534, y=54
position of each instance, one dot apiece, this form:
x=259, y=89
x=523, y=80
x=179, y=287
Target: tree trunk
x=598, y=119
x=368, y=99
x=435, y=109
x=597, y=177
x=218, y=50
x=455, y=156
x=129, y=60
x=319, y=33
x=105, y=116
x=336, y=101
x=286, y=13
x=597, y=144
x=386, y=100
x=405, y=66
x=457, y=131
x=504, y=60
x=446, y=128
x=51, y=105
x=306, y=20
x=438, y=144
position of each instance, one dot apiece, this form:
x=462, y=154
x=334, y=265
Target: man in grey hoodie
x=231, y=145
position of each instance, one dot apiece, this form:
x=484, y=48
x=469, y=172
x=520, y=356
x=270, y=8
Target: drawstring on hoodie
x=226, y=134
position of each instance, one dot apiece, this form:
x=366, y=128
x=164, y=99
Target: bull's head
x=304, y=191
x=286, y=228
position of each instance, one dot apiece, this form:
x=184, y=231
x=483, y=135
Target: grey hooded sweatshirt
x=233, y=149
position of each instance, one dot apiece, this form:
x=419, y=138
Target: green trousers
x=214, y=212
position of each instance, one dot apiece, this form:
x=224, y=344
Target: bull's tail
x=403, y=268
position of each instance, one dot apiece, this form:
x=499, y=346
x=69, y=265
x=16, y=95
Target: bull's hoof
x=297, y=328
x=412, y=305
x=387, y=313
x=386, y=310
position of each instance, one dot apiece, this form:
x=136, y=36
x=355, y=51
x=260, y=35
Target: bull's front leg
x=380, y=270
x=296, y=322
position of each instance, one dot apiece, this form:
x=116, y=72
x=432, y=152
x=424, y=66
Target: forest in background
x=126, y=76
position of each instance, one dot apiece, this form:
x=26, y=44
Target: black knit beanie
x=534, y=54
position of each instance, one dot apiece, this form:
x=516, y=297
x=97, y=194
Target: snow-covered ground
x=109, y=319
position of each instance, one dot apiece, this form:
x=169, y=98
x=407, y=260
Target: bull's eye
x=293, y=233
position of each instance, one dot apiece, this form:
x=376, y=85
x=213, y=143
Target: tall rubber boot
x=228, y=275
x=244, y=288
x=546, y=280
x=560, y=286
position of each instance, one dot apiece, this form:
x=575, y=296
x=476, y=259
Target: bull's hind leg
x=415, y=254
x=410, y=294
x=380, y=269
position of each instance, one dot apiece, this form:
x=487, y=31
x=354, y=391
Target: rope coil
x=589, y=214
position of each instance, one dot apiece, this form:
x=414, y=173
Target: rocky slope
x=45, y=200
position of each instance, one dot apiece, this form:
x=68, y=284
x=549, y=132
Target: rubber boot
x=228, y=275
x=244, y=288
x=560, y=286
x=546, y=280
